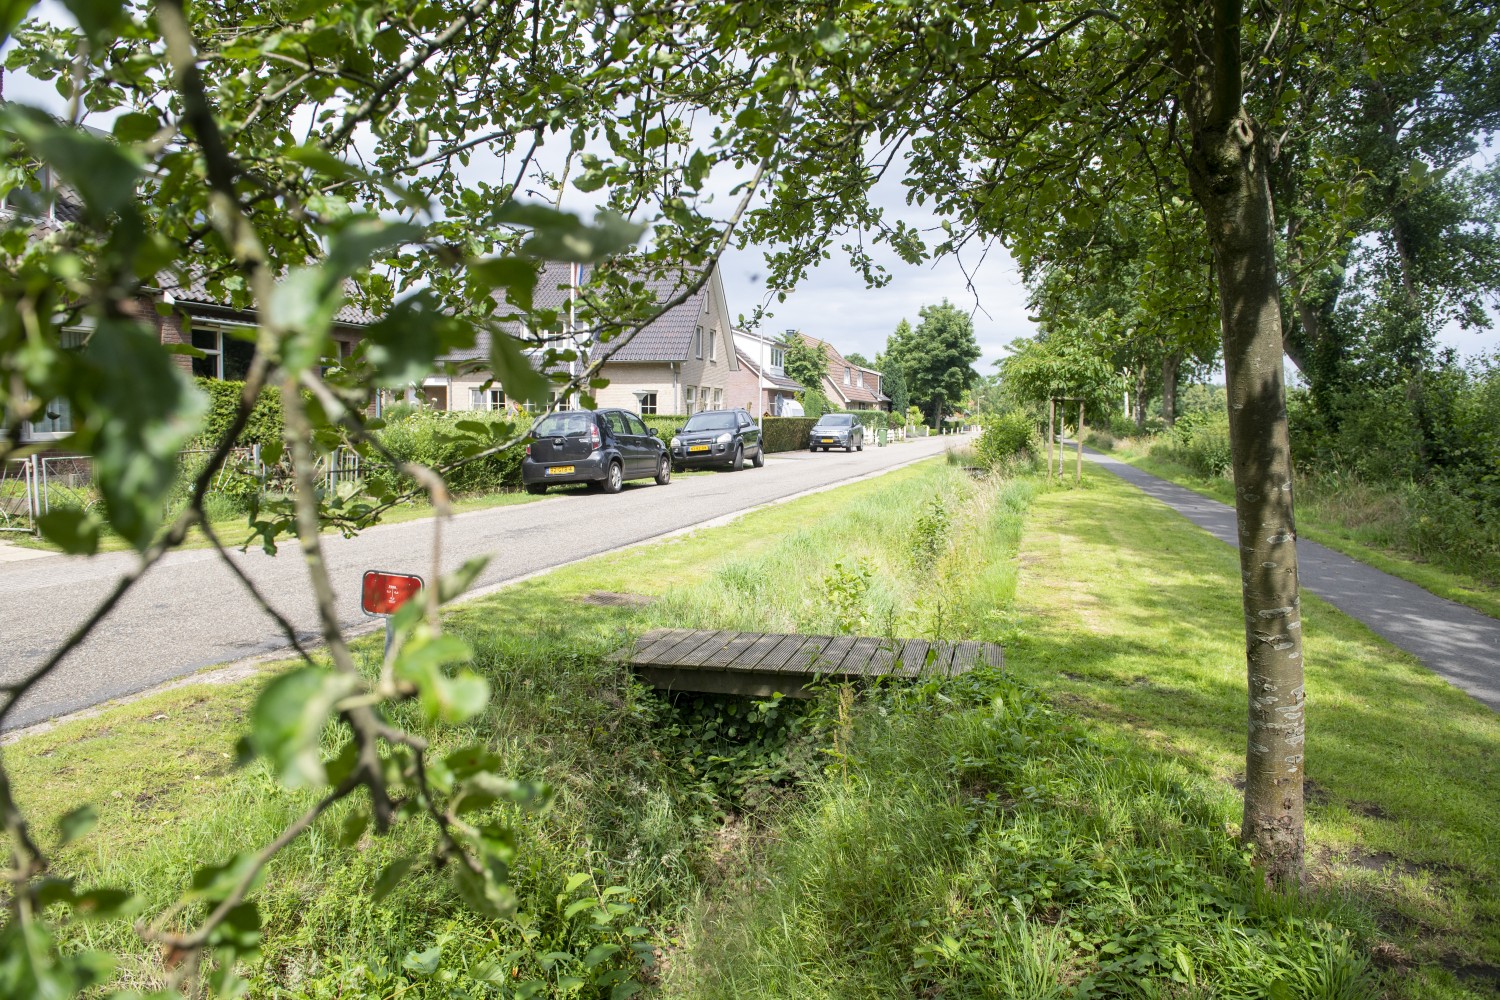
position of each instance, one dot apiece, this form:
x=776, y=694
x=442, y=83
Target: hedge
x=664, y=425
x=787, y=433
x=430, y=438
x=871, y=420
x=264, y=425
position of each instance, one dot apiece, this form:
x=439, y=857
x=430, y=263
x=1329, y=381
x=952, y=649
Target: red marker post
x=382, y=593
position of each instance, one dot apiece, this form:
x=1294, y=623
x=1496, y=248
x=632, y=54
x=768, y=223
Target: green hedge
x=224, y=399
x=870, y=420
x=787, y=433
x=430, y=438
x=664, y=426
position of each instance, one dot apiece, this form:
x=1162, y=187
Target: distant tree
x=1059, y=366
x=936, y=358
x=803, y=362
x=893, y=384
x=855, y=358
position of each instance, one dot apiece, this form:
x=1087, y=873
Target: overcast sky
x=834, y=304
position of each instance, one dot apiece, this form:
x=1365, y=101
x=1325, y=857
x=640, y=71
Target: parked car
x=603, y=448
x=836, y=430
x=718, y=437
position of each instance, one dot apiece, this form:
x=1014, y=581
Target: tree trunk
x=1170, y=367
x=1141, y=374
x=1227, y=167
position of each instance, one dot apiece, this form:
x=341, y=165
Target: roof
x=194, y=291
x=668, y=337
x=853, y=392
x=777, y=381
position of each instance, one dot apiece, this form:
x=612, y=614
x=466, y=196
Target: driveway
x=190, y=613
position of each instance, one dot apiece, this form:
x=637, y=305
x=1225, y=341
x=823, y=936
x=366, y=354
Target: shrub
x=1200, y=441
x=870, y=420
x=787, y=433
x=664, y=425
x=815, y=404
x=1005, y=436
x=224, y=399
x=431, y=438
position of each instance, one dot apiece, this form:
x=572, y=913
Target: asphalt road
x=190, y=612
x=1454, y=641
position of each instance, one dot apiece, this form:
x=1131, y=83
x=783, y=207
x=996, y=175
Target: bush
x=787, y=433
x=1200, y=441
x=664, y=425
x=224, y=399
x=430, y=437
x=1005, y=436
x=870, y=420
x=815, y=404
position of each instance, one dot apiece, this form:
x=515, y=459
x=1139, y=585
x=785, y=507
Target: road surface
x=1454, y=641
x=189, y=612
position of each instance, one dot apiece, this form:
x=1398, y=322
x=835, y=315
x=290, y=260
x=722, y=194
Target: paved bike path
x=1454, y=641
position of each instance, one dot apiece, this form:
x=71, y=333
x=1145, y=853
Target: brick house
x=847, y=385
x=680, y=363
x=761, y=385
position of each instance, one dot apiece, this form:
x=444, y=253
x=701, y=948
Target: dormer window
x=778, y=357
x=846, y=376
x=861, y=378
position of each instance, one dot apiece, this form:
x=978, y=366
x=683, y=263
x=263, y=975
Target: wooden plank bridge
x=758, y=665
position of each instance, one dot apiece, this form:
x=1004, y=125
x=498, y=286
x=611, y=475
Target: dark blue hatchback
x=603, y=448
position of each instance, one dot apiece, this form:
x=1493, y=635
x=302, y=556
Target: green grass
x=1351, y=522
x=1023, y=833
x=1131, y=616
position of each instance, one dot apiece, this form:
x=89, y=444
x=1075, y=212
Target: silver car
x=836, y=430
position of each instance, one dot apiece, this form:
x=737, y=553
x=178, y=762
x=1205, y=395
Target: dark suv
x=718, y=437
x=601, y=447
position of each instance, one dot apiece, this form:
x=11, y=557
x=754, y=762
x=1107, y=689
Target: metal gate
x=18, y=495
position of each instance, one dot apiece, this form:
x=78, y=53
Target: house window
x=55, y=420
x=718, y=399
x=647, y=402
x=703, y=397
x=861, y=378
x=846, y=376
x=713, y=346
x=698, y=342
x=778, y=357
x=486, y=399
x=225, y=356
x=690, y=399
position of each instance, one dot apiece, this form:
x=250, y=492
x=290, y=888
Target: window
x=637, y=425
x=55, y=420
x=486, y=399
x=647, y=402
x=698, y=342
x=778, y=357
x=846, y=376
x=225, y=356
x=616, y=421
x=861, y=378
x=713, y=346
x=703, y=397
x=718, y=399
x=690, y=398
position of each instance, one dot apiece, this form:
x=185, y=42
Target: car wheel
x=813, y=448
x=614, y=479
x=738, y=461
x=664, y=471
x=848, y=448
x=535, y=489
x=860, y=446
x=760, y=457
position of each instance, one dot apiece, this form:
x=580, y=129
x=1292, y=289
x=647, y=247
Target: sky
x=835, y=305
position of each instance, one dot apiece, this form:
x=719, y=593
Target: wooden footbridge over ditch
x=758, y=664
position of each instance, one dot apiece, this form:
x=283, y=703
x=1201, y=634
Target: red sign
x=384, y=593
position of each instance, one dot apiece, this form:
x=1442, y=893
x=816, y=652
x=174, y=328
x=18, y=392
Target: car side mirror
x=653, y=432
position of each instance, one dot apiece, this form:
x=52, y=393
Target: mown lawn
x=1063, y=828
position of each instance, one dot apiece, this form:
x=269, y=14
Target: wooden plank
x=689, y=642
x=808, y=652
x=715, y=642
x=750, y=659
x=965, y=657
x=860, y=653
x=833, y=654
x=943, y=660
x=913, y=658
x=729, y=656
x=993, y=655
x=655, y=640
x=664, y=646
x=783, y=651
x=745, y=683
x=887, y=655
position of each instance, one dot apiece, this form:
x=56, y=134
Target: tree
x=855, y=358
x=1056, y=367
x=805, y=363
x=936, y=359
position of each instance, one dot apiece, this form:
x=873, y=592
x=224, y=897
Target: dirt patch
x=1479, y=972
x=609, y=599
x=1369, y=809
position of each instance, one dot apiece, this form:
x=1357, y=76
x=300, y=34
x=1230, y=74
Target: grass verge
x=1329, y=519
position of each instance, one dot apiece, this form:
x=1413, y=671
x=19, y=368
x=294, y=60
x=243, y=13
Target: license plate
x=697, y=447
x=559, y=470
x=828, y=440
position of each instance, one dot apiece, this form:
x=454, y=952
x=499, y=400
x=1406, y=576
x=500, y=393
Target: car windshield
x=564, y=425
x=835, y=420
x=721, y=420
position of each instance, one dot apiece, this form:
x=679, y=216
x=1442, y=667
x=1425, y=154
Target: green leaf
x=460, y=580
x=625, y=991
x=577, y=907
x=286, y=724
x=600, y=953
x=469, y=760
x=12, y=13
x=104, y=174
x=423, y=963
x=450, y=699
x=574, y=881
x=104, y=904
x=557, y=235
x=390, y=877
x=402, y=346
x=136, y=126
x=320, y=161
x=97, y=18
x=513, y=369
x=75, y=531
x=516, y=275
x=215, y=882
x=76, y=823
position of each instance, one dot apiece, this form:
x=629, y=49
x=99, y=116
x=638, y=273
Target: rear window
x=721, y=420
x=836, y=420
x=564, y=425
